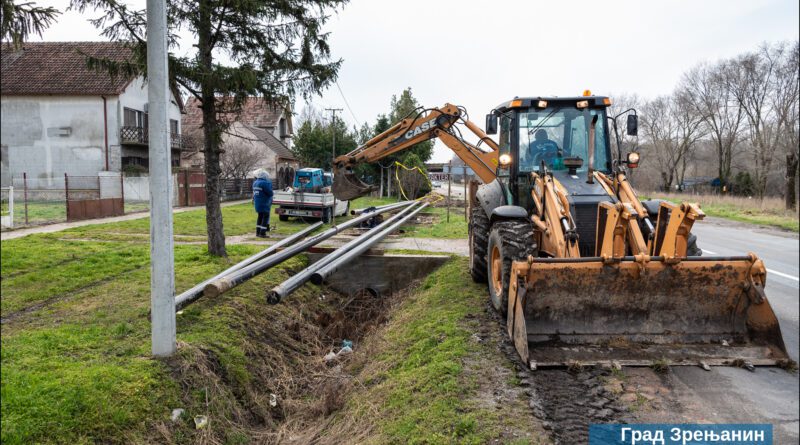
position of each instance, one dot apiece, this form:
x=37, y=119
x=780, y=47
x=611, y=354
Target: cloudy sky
x=481, y=53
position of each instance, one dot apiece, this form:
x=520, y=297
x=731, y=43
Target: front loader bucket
x=347, y=186
x=636, y=311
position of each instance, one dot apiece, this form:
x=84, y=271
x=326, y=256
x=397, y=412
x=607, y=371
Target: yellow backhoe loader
x=585, y=272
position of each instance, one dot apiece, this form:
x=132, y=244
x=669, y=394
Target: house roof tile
x=272, y=142
x=59, y=68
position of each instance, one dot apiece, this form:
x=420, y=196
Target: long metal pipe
x=238, y=277
x=360, y=211
x=190, y=296
x=319, y=276
x=280, y=291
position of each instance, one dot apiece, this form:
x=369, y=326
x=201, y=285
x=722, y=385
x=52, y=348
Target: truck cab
x=310, y=180
x=554, y=132
x=309, y=197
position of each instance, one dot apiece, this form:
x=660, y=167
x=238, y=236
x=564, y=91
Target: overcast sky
x=480, y=53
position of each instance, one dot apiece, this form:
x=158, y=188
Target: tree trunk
x=216, y=236
x=791, y=181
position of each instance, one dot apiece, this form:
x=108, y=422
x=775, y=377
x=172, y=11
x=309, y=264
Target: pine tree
x=276, y=50
x=19, y=20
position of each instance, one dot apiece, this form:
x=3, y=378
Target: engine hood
x=576, y=185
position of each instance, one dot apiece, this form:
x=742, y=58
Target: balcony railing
x=138, y=136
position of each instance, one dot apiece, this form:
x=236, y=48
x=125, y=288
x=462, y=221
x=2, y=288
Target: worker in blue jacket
x=262, y=199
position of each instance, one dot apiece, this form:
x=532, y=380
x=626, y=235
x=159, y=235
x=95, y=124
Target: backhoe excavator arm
x=425, y=125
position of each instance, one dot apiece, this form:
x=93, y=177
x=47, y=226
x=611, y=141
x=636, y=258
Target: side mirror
x=633, y=125
x=491, y=123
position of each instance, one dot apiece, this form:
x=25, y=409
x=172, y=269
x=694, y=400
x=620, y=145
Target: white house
x=60, y=117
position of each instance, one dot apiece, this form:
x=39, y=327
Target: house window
x=282, y=127
x=173, y=126
x=134, y=118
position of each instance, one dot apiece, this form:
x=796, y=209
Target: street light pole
x=162, y=264
x=333, y=157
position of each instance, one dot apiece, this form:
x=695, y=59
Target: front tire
x=509, y=241
x=478, y=242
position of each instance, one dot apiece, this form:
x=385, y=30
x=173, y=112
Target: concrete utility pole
x=333, y=156
x=162, y=264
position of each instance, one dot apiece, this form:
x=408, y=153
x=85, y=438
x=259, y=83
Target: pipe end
x=317, y=279
x=273, y=297
x=216, y=288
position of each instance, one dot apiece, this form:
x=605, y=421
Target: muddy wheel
x=508, y=241
x=478, y=242
x=326, y=215
x=283, y=217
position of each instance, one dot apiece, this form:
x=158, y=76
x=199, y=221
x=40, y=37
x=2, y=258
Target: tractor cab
x=567, y=137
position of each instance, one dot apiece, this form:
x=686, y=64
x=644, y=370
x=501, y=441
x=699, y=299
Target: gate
x=191, y=187
x=90, y=197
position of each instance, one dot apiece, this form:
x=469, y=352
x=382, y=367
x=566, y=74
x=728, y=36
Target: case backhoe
x=586, y=272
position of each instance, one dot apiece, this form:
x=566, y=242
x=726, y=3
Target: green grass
x=237, y=219
x=455, y=229
x=76, y=365
x=767, y=212
x=417, y=385
x=40, y=212
x=77, y=369
x=752, y=216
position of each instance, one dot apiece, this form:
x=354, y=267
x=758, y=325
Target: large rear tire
x=478, y=243
x=509, y=241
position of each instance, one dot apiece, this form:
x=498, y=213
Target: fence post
x=122, y=190
x=66, y=193
x=11, y=205
x=25, y=194
x=186, y=187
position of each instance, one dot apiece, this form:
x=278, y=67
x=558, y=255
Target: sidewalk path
x=49, y=228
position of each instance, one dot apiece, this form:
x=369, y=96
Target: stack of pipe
x=190, y=296
x=224, y=283
x=323, y=268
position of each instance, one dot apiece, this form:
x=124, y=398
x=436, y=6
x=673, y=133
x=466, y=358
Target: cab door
x=506, y=142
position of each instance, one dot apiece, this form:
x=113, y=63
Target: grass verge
x=420, y=381
x=768, y=212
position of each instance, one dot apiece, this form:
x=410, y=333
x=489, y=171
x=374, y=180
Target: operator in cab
x=262, y=200
x=544, y=149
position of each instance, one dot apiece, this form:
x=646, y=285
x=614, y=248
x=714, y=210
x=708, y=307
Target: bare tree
x=752, y=79
x=240, y=158
x=619, y=104
x=704, y=89
x=787, y=98
x=672, y=130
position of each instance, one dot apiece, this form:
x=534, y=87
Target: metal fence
x=30, y=201
x=7, y=207
x=52, y=199
x=233, y=189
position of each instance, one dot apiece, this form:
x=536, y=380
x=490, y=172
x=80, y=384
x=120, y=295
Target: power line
x=347, y=104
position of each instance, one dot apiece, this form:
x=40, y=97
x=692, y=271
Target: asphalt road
x=768, y=395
